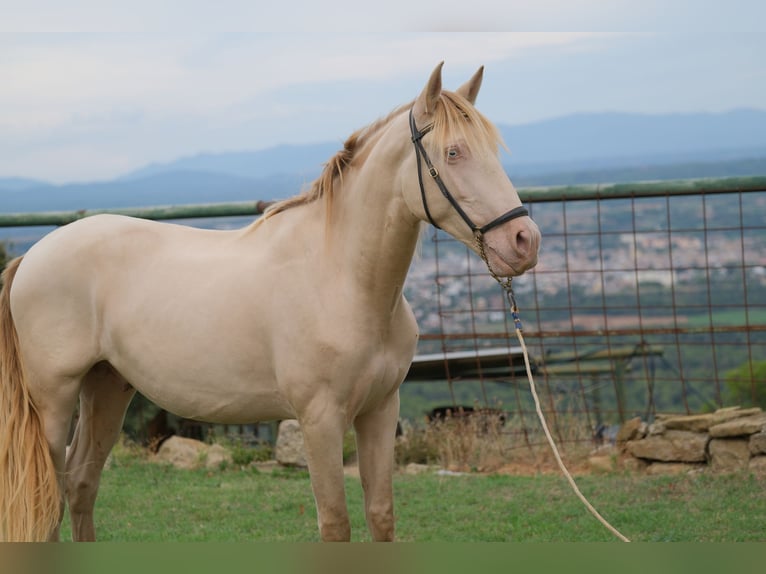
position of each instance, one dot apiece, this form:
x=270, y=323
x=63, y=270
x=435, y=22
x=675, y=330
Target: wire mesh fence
x=646, y=299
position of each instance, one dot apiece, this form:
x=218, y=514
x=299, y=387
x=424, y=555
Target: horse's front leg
x=323, y=439
x=375, y=438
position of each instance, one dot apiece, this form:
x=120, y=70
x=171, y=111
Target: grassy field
x=142, y=501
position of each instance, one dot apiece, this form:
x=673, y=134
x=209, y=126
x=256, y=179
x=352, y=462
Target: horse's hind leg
x=104, y=398
x=375, y=438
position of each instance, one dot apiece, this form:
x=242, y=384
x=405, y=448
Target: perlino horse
x=299, y=315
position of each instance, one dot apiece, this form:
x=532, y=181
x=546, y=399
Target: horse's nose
x=527, y=243
x=523, y=242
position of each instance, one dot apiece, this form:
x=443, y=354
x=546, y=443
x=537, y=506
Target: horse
x=300, y=314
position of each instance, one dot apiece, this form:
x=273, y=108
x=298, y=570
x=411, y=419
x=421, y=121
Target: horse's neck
x=374, y=236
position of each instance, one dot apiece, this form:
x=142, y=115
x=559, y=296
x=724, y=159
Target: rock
x=185, y=453
x=673, y=468
x=693, y=423
x=289, y=450
x=757, y=443
x=633, y=464
x=631, y=430
x=730, y=413
x=416, y=468
x=740, y=426
x=216, y=456
x=604, y=458
x=728, y=455
x=757, y=466
x=672, y=446
x=602, y=463
x=700, y=422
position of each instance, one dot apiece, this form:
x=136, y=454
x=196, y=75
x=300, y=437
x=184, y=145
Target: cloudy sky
x=157, y=81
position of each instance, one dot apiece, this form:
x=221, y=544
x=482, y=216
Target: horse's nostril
x=522, y=242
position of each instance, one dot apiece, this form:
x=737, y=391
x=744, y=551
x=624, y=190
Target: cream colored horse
x=300, y=315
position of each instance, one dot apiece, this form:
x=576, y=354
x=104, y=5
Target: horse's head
x=458, y=182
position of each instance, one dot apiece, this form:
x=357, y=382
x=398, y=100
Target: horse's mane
x=454, y=119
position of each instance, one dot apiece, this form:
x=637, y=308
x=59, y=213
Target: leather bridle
x=422, y=156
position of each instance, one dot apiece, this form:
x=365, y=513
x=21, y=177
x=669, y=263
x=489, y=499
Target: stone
x=290, y=450
x=416, y=468
x=757, y=466
x=633, y=464
x=672, y=446
x=694, y=423
x=699, y=422
x=604, y=458
x=757, y=443
x=673, y=468
x=602, y=463
x=730, y=413
x=729, y=454
x=184, y=453
x=217, y=456
x=740, y=426
x=631, y=430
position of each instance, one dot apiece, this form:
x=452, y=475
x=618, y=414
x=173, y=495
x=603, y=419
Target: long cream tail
x=29, y=491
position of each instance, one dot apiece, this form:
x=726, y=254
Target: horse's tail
x=29, y=491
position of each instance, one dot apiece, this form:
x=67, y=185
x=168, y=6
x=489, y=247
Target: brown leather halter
x=420, y=151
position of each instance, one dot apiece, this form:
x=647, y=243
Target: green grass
x=142, y=502
x=734, y=317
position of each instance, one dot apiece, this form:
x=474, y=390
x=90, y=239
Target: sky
x=91, y=91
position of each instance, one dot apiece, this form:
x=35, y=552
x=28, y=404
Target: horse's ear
x=431, y=93
x=470, y=89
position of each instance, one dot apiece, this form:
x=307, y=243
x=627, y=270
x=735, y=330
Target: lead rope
x=507, y=286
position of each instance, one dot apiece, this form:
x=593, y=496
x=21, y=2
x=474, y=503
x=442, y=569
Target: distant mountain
x=164, y=188
x=640, y=171
x=296, y=160
x=626, y=137
x=20, y=184
x=583, y=148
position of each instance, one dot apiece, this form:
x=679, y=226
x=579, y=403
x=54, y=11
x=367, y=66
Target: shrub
x=457, y=443
x=746, y=384
x=416, y=445
x=126, y=452
x=243, y=454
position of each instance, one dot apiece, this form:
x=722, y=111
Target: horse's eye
x=453, y=153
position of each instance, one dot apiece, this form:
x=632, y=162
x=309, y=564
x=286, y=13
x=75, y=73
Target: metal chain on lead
x=507, y=285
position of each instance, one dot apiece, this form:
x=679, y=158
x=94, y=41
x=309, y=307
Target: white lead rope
x=506, y=284
x=555, y=450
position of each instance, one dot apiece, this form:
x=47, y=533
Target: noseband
x=421, y=155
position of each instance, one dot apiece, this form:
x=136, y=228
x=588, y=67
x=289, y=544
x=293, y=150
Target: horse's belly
x=218, y=400
x=213, y=384
x=235, y=408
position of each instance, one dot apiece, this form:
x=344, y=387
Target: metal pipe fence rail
x=648, y=297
